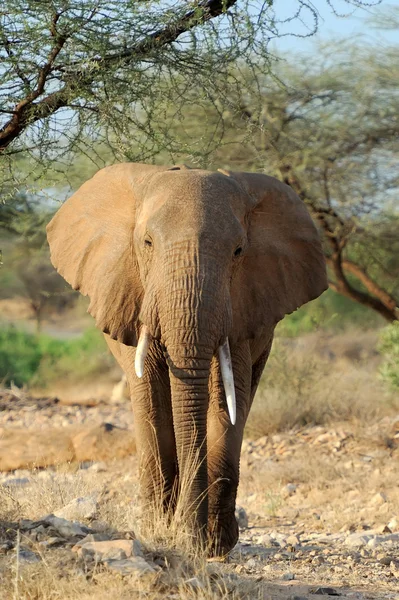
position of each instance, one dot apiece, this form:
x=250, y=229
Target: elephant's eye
x=238, y=251
x=148, y=242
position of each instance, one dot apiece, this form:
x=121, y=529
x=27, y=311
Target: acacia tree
x=327, y=125
x=77, y=71
x=331, y=132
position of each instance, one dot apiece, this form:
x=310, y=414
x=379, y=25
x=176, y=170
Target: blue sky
x=330, y=25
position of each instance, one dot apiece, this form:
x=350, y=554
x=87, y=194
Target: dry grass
x=166, y=538
x=320, y=379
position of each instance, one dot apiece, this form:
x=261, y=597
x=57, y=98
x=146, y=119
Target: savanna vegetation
x=83, y=86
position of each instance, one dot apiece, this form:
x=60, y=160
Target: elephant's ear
x=91, y=243
x=283, y=266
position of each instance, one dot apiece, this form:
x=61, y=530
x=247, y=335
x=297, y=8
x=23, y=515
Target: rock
x=27, y=556
x=325, y=591
x=66, y=528
x=136, y=566
x=265, y=540
x=251, y=563
x=393, y=524
x=98, y=467
x=394, y=568
x=109, y=549
x=289, y=490
x=384, y=559
x=288, y=577
x=378, y=499
x=53, y=542
x=356, y=540
x=383, y=529
x=318, y=560
x=6, y=547
x=242, y=517
x=103, y=442
x=292, y=540
x=78, y=508
x=22, y=448
x=278, y=538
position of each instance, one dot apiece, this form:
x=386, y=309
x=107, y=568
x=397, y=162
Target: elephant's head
x=191, y=258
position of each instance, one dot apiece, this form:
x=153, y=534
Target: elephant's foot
x=223, y=534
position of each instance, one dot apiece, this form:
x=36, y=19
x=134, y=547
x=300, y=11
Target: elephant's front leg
x=155, y=439
x=224, y=447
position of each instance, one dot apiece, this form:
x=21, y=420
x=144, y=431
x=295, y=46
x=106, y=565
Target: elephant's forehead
x=191, y=195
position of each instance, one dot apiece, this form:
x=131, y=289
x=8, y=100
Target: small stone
x=288, y=577
x=394, y=568
x=290, y=489
x=6, y=547
x=242, y=517
x=318, y=560
x=239, y=569
x=66, y=528
x=383, y=529
x=251, y=563
x=292, y=540
x=27, y=556
x=136, y=566
x=384, y=559
x=356, y=541
x=373, y=543
x=393, y=524
x=265, y=540
x=98, y=467
x=53, y=542
x=277, y=556
x=78, y=508
x=378, y=499
x=325, y=591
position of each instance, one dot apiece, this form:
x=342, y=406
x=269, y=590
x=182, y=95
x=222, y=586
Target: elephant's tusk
x=228, y=379
x=141, y=351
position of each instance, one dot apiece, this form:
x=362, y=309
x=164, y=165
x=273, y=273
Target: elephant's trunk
x=194, y=320
x=189, y=387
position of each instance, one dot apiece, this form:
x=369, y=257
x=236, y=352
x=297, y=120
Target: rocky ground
x=319, y=512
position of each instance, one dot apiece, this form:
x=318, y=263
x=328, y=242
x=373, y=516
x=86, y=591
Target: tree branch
x=342, y=286
x=27, y=111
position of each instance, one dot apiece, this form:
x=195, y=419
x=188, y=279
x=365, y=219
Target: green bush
x=331, y=312
x=389, y=348
x=26, y=358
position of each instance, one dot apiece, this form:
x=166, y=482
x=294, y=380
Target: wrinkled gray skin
x=196, y=257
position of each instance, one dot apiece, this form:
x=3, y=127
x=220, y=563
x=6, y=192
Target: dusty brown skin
x=195, y=256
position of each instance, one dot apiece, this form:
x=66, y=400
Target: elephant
x=188, y=272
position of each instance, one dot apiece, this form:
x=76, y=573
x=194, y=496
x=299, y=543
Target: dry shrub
x=43, y=496
x=166, y=538
x=306, y=382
